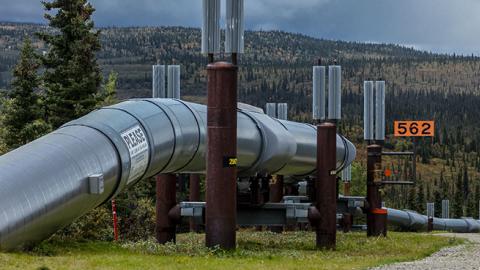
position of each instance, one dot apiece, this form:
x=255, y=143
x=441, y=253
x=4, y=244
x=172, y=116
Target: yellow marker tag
x=232, y=162
x=273, y=180
x=229, y=162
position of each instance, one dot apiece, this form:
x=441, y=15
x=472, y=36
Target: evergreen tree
x=467, y=201
x=411, y=198
x=457, y=209
x=3, y=146
x=438, y=202
x=477, y=201
x=444, y=187
x=465, y=187
x=109, y=91
x=420, y=198
x=471, y=207
x=21, y=111
x=72, y=77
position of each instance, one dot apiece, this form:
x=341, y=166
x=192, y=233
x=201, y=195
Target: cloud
x=280, y=9
x=438, y=25
x=148, y=12
x=21, y=11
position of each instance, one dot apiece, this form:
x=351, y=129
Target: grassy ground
x=256, y=250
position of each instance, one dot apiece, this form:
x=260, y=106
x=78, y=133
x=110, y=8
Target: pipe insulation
x=45, y=185
x=414, y=221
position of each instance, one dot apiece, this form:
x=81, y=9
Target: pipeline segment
x=44, y=185
x=414, y=221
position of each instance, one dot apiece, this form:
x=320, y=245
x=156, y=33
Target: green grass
x=256, y=250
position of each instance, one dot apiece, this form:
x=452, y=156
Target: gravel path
x=458, y=257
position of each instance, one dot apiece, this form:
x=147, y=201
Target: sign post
x=414, y=129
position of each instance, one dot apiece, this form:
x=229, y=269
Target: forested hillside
x=277, y=68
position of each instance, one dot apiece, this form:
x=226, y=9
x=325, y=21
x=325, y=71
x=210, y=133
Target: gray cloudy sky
x=437, y=25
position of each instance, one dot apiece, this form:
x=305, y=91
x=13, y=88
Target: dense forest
x=277, y=68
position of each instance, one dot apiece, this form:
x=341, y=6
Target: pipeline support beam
x=166, y=190
x=326, y=186
x=276, y=196
x=376, y=216
x=221, y=193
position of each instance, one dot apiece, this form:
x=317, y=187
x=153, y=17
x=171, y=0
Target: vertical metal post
x=158, y=81
x=326, y=186
x=282, y=111
x=194, y=196
x=347, y=220
x=211, y=28
x=448, y=209
x=166, y=184
x=380, y=111
x=430, y=216
x=255, y=196
x=276, y=182
x=445, y=209
x=166, y=193
x=326, y=178
x=271, y=109
x=430, y=209
x=368, y=126
x=347, y=178
x=334, y=92
x=346, y=188
x=234, y=30
x=376, y=216
x=173, y=85
x=276, y=188
x=221, y=193
x=318, y=95
x=276, y=196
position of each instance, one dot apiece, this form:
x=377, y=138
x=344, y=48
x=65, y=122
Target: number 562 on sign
x=414, y=128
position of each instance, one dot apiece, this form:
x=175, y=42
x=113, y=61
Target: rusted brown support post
x=326, y=185
x=255, y=195
x=346, y=188
x=276, y=188
x=166, y=193
x=347, y=222
x=181, y=186
x=276, y=196
x=430, y=224
x=376, y=216
x=235, y=59
x=221, y=193
x=194, y=196
x=347, y=219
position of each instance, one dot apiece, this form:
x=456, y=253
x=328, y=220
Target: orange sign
x=414, y=128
